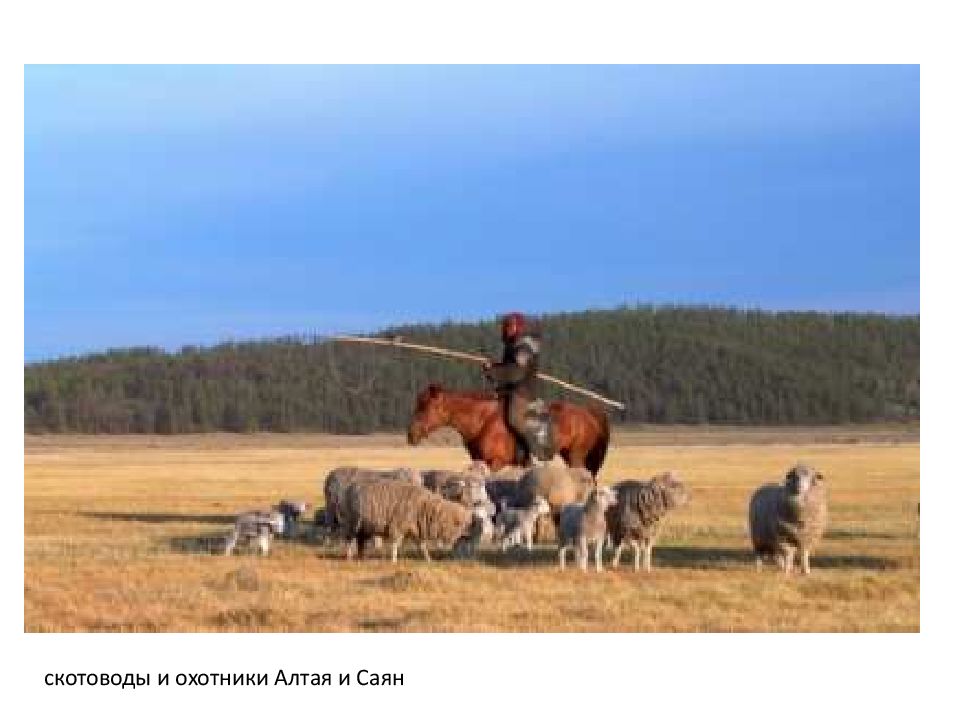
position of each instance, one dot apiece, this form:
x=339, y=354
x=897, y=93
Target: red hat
x=512, y=325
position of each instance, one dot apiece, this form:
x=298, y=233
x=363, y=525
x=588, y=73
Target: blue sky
x=175, y=205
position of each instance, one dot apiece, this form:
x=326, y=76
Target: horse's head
x=430, y=413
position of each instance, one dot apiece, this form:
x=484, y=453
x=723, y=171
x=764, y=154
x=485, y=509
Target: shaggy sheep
x=640, y=508
x=788, y=518
x=340, y=479
x=395, y=511
x=584, y=523
x=257, y=524
x=559, y=486
x=515, y=525
x=291, y=511
x=467, y=488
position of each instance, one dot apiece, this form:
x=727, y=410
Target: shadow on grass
x=392, y=624
x=846, y=534
x=161, y=517
x=203, y=545
x=681, y=558
x=215, y=543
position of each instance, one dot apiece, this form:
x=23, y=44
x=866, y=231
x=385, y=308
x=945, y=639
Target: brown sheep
x=395, y=511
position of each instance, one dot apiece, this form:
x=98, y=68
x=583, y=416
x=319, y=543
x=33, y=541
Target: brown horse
x=581, y=434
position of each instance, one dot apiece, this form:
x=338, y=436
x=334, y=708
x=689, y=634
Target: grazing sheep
x=584, y=523
x=291, y=511
x=395, y=511
x=515, y=525
x=640, y=508
x=340, y=479
x=259, y=524
x=788, y=518
x=466, y=488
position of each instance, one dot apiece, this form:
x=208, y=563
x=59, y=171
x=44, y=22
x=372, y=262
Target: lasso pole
x=444, y=352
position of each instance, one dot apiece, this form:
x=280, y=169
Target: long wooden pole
x=444, y=352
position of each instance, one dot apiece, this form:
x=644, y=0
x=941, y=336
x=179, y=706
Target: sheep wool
x=789, y=518
x=397, y=511
x=636, y=517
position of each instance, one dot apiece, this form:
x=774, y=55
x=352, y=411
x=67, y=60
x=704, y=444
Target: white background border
x=480, y=675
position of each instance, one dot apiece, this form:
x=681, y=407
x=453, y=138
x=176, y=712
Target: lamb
x=789, y=518
x=257, y=524
x=637, y=515
x=291, y=511
x=395, y=511
x=480, y=531
x=515, y=525
x=584, y=523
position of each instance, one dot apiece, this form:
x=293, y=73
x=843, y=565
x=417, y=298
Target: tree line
x=668, y=364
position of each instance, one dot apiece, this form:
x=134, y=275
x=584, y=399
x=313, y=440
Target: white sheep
x=515, y=525
x=789, y=518
x=582, y=524
x=257, y=524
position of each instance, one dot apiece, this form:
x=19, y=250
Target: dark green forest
x=668, y=364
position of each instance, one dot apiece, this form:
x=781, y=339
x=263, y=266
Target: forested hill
x=669, y=365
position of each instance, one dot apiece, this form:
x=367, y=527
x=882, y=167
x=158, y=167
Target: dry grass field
x=118, y=533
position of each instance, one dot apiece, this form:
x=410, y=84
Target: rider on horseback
x=515, y=377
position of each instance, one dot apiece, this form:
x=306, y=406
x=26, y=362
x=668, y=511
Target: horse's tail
x=598, y=452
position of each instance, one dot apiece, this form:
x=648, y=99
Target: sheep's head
x=293, y=508
x=541, y=506
x=675, y=490
x=606, y=496
x=800, y=479
x=474, y=492
x=276, y=521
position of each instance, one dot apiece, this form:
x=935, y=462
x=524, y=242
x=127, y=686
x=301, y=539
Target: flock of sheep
x=473, y=508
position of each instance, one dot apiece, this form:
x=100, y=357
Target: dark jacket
x=517, y=370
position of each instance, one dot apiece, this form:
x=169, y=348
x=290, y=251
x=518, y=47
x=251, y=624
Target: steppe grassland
x=119, y=533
